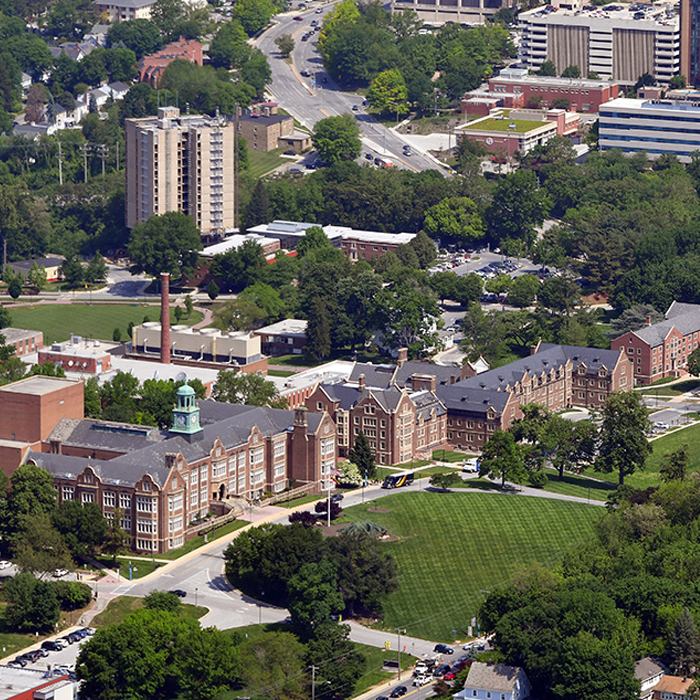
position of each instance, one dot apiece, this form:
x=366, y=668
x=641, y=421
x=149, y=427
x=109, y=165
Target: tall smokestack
x=165, y=318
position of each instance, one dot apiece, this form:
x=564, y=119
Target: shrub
x=538, y=479
x=72, y=595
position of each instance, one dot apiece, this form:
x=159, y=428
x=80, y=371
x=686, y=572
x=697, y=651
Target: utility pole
x=84, y=147
x=60, y=164
x=102, y=154
x=330, y=481
x=117, y=147
x=313, y=682
x=398, y=631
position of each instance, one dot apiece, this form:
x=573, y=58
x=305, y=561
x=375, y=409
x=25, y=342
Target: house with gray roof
x=488, y=681
x=165, y=482
x=661, y=350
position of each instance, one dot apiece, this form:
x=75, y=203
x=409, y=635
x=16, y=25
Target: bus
x=394, y=481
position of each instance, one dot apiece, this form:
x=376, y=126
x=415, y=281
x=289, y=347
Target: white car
x=421, y=680
x=5, y=565
x=60, y=572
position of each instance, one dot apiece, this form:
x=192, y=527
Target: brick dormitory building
x=163, y=480
x=411, y=408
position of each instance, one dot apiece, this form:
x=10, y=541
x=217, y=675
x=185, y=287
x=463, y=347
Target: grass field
x=139, y=567
x=262, y=162
x=120, y=607
x=58, y=321
x=203, y=539
x=454, y=546
x=574, y=485
x=669, y=443
x=673, y=390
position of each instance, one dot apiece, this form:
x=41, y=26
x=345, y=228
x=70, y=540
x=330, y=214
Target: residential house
x=488, y=681
x=52, y=265
x=648, y=673
x=674, y=688
x=661, y=350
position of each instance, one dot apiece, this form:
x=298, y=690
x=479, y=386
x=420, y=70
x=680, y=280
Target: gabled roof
x=684, y=317
x=472, y=400
x=443, y=374
x=646, y=668
x=497, y=678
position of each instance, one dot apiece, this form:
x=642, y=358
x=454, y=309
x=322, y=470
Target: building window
x=144, y=504
x=203, y=476
x=175, y=502
x=146, y=486
x=146, y=526
x=175, y=524
x=68, y=493
x=87, y=497
x=193, y=498
x=125, y=501
x=109, y=499
x=279, y=449
x=126, y=523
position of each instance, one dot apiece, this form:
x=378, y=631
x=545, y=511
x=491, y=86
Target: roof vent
x=596, y=359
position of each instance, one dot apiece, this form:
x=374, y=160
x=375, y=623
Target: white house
x=495, y=682
x=648, y=673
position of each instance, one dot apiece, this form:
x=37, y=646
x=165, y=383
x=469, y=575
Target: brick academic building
x=164, y=480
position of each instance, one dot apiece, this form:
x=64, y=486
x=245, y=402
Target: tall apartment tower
x=690, y=41
x=180, y=163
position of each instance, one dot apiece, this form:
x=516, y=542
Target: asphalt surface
x=314, y=97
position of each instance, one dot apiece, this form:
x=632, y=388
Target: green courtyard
x=451, y=547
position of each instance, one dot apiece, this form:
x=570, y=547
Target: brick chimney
x=402, y=356
x=361, y=382
x=649, y=320
x=165, y=318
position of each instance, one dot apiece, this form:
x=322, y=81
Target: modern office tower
x=619, y=44
x=181, y=163
x=690, y=41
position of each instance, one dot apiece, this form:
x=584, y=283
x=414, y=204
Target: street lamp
x=196, y=591
x=399, y=631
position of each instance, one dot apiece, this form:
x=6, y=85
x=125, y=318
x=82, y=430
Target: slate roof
x=426, y=402
x=444, y=375
x=646, y=668
x=376, y=376
x=53, y=261
x=684, y=317
x=144, y=447
x=498, y=678
x=474, y=400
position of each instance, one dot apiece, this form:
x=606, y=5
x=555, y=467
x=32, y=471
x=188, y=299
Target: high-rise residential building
x=619, y=44
x=439, y=12
x=181, y=163
x=690, y=40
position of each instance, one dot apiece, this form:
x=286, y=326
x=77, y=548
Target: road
x=310, y=99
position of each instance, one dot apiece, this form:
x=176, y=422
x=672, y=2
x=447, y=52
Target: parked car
x=298, y=18
x=337, y=497
x=319, y=11
x=53, y=646
x=290, y=153
x=448, y=675
x=20, y=661
x=5, y=565
x=178, y=592
x=67, y=640
x=60, y=572
x=89, y=631
x=305, y=73
x=399, y=691
x=441, y=670
x=421, y=680
x=443, y=649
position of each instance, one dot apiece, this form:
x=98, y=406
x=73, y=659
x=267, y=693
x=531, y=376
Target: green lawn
x=504, y=124
x=453, y=546
x=374, y=662
x=261, y=162
x=280, y=373
x=139, y=567
x=449, y=456
x=58, y=321
x=308, y=498
x=200, y=539
x=577, y=485
x=669, y=443
x=120, y=607
x=673, y=390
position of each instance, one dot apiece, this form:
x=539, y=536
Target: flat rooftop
x=513, y=126
x=287, y=325
x=38, y=386
x=13, y=335
x=649, y=16
x=669, y=105
x=16, y=681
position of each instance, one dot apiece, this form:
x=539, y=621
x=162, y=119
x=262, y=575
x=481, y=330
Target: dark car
x=369, y=156
x=290, y=153
x=399, y=691
x=305, y=37
x=20, y=661
x=355, y=108
x=305, y=73
x=178, y=592
x=441, y=670
x=443, y=649
x=337, y=497
x=298, y=18
x=377, y=161
x=52, y=646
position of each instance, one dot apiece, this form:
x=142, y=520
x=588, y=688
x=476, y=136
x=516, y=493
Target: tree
x=272, y=665
x=518, y=206
x=677, y=82
x=167, y=243
x=96, y=270
x=314, y=238
x=256, y=71
x=37, y=276
x=81, y=525
x=674, y=466
x=455, y=219
x=684, y=645
x=213, y=290
x=623, y=445
x=362, y=455
x=115, y=537
x=139, y=35
x=694, y=362
x=117, y=335
x=523, y=290
x=31, y=494
x=314, y=596
x=337, y=139
x=14, y=288
x=425, y=249
x=571, y=72
x=444, y=480
x=548, y=69
x=388, y=93
x=32, y=605
x=253, y=14
x=162, y=600
x=559, y=294
x=285, y=43
x=229, y=48
x=39, y=549
x=502, y=457
x=244, y=388
x=318, y=330
x=154, y=653
x=72, y=272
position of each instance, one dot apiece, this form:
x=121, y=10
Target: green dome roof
x=185, y=390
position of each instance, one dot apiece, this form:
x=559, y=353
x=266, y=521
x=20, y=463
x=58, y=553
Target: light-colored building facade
x=124, y=10
x=180, y=163
x=653, y=126
x=439, y=12
x=488, y=681
x=619, y=45
x=25, y=342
